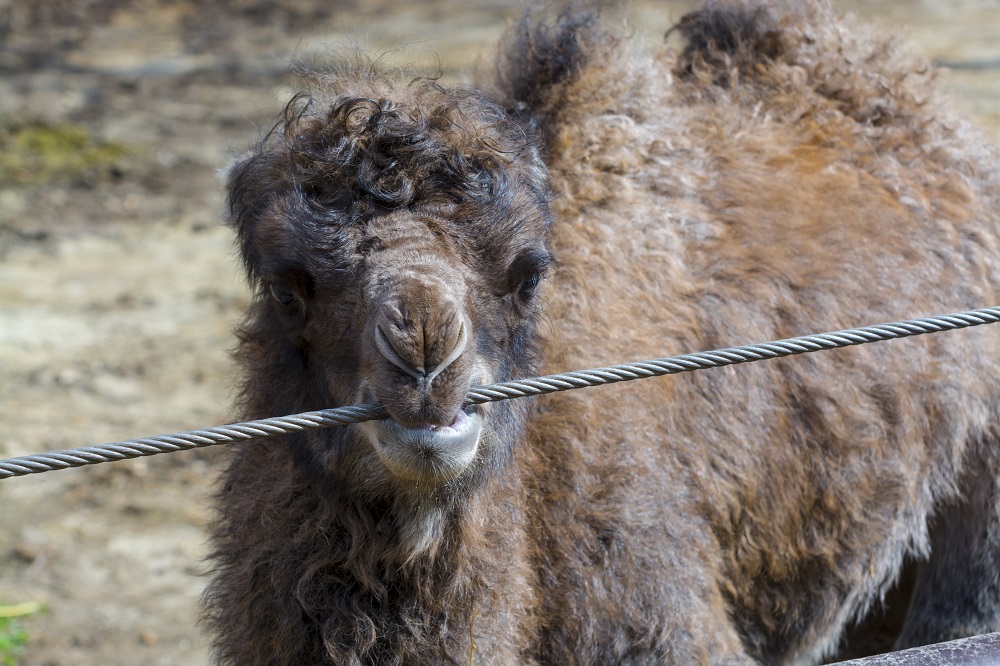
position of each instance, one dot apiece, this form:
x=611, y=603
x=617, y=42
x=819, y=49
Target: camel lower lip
x=458, y=423
x=430, y=452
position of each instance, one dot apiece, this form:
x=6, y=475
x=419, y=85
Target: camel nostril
x=392, y=353
x=460, y=344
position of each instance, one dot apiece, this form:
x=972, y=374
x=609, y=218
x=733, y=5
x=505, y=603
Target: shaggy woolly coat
x=785, y=173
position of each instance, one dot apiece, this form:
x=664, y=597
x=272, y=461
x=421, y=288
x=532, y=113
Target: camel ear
x=533, y=157
x=227, y=176
x=255, y=184
x=251, y=186
x=239, y=214
x=538, y=170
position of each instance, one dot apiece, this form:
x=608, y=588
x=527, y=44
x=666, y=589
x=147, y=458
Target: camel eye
x=282, y=294
x=527, y=271
x=529, y=285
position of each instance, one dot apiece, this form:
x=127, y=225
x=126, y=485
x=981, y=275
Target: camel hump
x=727, y=35
x=545, y=50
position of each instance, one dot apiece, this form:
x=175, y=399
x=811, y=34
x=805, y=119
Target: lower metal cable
x=327, y=418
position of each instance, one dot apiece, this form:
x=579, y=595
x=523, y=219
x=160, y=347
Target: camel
x=587, y=202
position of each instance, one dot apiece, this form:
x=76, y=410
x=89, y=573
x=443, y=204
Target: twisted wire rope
x=327, y=418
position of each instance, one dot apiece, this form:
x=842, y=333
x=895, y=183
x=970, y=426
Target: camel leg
x=957, y=591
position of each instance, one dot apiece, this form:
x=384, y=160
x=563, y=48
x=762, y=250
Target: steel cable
x=327, y=418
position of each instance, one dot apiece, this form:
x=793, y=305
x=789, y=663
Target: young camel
x=590, y=203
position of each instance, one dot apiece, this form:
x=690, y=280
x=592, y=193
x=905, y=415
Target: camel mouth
x=427, y=453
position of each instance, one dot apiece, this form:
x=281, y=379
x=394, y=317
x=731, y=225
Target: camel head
x=398, y=237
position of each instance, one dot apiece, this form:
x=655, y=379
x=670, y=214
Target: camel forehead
x=473, y=241
x=344, y=167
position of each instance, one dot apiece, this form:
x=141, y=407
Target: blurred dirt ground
x=119, y=288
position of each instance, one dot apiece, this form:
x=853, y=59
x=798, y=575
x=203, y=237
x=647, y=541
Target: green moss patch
x=39, y=153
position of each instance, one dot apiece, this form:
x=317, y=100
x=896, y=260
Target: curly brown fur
x=786, y=173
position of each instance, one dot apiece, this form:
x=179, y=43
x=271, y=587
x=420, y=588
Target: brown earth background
x=119, y=287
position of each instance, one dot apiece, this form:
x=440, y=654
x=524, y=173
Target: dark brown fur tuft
x=728, y=38
x=544, y=53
